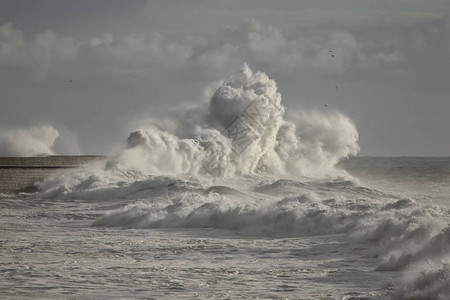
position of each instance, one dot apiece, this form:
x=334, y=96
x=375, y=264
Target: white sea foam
x=405, y=236
x=219, y=166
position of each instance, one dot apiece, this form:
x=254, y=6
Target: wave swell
x=236, y=163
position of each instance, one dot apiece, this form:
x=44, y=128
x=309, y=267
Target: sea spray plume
x=310, y=146
x=242, y=131
x=324, y=139
x=236, y=132
x=34, y=141
x=158, y=152
x=247, y=109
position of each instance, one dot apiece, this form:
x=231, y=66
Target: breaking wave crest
x=241, y=131
x=405, y=236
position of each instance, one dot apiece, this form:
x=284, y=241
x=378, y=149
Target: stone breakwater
x=19, y=174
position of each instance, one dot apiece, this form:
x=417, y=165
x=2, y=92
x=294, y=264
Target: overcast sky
x=91, y=69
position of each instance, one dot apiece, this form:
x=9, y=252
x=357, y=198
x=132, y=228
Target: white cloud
x=266, y=45
x=47, y=50
x=373, y=46
x=137, y=49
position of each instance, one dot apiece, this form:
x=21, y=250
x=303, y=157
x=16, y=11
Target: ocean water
x=252, y=237
x=233, y=199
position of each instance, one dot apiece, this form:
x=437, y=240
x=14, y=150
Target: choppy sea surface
x=382, y=234
x=233, y=199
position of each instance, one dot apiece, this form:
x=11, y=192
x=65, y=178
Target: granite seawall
x=19, y=174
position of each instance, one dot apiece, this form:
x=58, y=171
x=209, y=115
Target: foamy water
x=236, y=202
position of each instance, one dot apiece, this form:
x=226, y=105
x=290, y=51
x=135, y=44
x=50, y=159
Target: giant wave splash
x=242, y=131
x=219, y=166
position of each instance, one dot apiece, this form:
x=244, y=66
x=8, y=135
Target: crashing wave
x=242, y=131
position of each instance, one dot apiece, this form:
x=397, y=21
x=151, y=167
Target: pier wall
x=19, y=174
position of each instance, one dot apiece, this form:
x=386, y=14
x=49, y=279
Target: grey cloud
x=133, y=50
x=40, y=54
x=252, y=41
x=10, y=40
x=47, y=50
x=93, y=79
x=267, y=46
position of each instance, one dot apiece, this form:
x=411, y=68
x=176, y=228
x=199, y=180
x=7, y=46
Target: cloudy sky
x=83, y=73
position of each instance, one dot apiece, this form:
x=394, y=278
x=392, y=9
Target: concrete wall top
x=19, y=174
x=47, y=161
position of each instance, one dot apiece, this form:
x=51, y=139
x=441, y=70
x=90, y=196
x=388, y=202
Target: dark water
x=423, y=177
x=98, y=234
